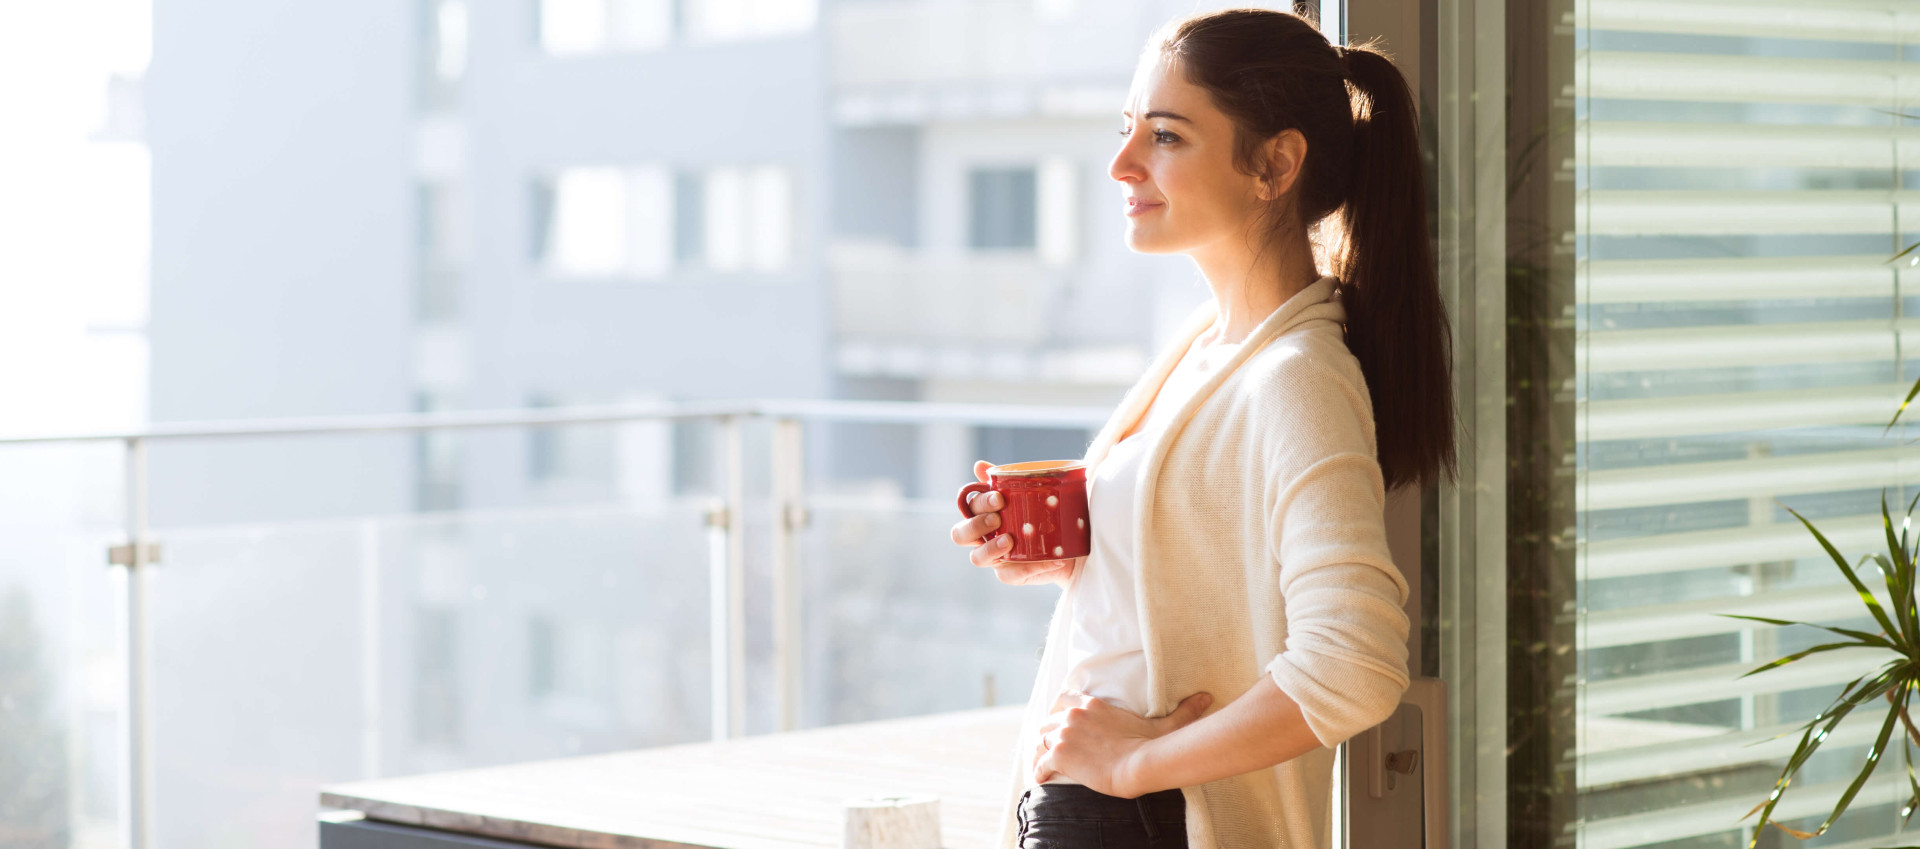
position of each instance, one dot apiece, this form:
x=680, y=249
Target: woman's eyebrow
x=1125, y=114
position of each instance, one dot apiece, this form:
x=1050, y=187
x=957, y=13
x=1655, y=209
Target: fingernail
x=1004, y=542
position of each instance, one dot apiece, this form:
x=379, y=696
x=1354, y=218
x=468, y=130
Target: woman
x=1239, y=614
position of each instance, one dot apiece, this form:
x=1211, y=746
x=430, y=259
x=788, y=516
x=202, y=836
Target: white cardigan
x=1261, y=537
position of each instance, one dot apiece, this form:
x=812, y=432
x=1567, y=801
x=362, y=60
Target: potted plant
x=1897, y=681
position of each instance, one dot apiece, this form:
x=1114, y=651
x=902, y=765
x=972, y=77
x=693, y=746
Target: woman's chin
x=1142, y=241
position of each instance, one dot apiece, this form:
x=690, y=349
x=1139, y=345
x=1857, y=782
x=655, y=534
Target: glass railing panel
x=290, y=654
x=898, y=622
x=62, y=649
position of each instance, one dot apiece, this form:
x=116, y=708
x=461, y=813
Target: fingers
x=1043, y=768
x=1188, y=711
x=1071, y=699
x=1019, y=574
x=969, y=531
x=980, y=468
x=986, y=502
x=992, y=552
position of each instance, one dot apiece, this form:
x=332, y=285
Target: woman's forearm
x=1262, y=728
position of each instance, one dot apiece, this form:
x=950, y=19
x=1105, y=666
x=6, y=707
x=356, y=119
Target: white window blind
x=1742, y=178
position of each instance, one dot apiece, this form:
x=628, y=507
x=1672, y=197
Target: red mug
x=1046, y=508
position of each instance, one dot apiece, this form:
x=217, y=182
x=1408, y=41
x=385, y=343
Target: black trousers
x=1074, y=816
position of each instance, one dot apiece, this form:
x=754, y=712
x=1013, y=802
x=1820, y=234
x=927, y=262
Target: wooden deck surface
x=773, y=791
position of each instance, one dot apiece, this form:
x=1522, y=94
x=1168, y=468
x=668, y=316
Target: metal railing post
x=788, y=518
x=370, y=645
x=736, y=578
x=139, y=724
x=726, y=615
x=718, y=691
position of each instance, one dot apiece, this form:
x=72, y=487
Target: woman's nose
x=1124, y=167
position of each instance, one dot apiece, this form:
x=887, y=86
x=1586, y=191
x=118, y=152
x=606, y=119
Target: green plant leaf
x=1898, y=572
x=1817, y=717
x=1825, y=647
x=1909, y=563
x=1902, y=611
x=1915, y=501
x=1916, y=384
x=1904, y=524
x=1862, y=636
x=1906, y=753
x=1873, y=760
x=1866, y=595
x=1810, y=742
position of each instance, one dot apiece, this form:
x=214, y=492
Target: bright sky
x=73, y=218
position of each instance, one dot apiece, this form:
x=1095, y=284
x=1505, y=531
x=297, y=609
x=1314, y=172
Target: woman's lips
x=1142, y=208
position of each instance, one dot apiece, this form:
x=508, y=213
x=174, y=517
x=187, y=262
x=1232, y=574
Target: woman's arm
x=1260, y=729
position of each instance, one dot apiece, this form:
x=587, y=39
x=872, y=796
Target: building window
x=575, y=27
x=443, y=53
x=442, y=250
x=689, y=217
x=730, y=20
x=642, y=222
x=1057, y=208
x=745, y=218
x=603, y=221
x=1001, y=207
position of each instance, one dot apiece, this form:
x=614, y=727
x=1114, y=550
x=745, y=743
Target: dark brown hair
x=1361, y=184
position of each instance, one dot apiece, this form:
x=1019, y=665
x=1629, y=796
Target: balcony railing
x=243, y=664
x=909, y=61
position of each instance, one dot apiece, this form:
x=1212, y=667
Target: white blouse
x=1105, y=656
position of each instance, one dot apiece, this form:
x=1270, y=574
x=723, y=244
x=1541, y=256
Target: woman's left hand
x=1097, y=744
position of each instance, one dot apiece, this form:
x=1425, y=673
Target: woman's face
x=1175, y=166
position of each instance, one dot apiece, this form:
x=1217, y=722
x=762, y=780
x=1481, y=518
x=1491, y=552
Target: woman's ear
x=1286, y=152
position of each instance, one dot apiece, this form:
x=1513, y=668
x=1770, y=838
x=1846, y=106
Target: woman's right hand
x=986, y=507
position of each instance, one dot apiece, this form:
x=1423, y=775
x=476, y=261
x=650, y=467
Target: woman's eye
x=1160, y=135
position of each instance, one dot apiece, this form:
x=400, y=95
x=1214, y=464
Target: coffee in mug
x=1046, y=508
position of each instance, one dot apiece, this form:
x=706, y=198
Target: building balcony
x=995, y=315
x=909, y=62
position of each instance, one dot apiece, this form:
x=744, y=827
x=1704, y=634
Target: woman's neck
x=1246, y=288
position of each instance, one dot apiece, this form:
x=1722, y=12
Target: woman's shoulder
x=1304, y=398
x=1311, y=358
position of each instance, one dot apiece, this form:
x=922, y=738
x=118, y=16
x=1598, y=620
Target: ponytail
x=1396, y=321
x=1362, y=182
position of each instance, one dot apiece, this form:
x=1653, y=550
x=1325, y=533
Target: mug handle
x=970, y=489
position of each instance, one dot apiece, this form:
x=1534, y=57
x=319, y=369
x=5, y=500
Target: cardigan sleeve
x=1345, y=656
